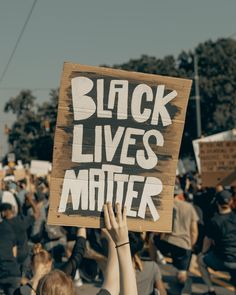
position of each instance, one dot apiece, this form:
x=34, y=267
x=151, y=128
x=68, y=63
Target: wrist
x=118, y=245
x=123, y=251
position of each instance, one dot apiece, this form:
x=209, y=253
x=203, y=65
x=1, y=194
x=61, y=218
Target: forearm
x=194, y=233
x=77, y=253
x=206, y=244
x=14, y=251
x=117, y=228
x=78, y=250
x=34, y=207
x=159, y=285
x=76, y=257
x=194, y=236
x=111, y=271
x=128, y=285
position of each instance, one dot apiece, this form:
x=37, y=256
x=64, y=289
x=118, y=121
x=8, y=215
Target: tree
x=20, y=105
x=151, y=65
x=31, y=136
x=216, y=68
x=32, y=133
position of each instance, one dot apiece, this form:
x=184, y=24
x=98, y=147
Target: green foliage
x=31, y=136
x=216, y=67
x=22, y=104
x=217, y=79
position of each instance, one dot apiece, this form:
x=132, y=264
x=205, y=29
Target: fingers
x=118, y=213
x=106, y=217
x=111, y=215
x=124, y=215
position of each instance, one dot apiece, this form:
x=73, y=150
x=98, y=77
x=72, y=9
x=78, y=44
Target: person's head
x=6, y=211
x=55, y=282
x=136, y=246
x=136, y=243
x=41, y=260
x=178, y=192
x=39, y=197
x=42, y=184
x=223, y=199
x=22, y=184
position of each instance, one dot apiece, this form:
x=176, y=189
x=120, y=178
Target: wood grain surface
x=167, y=154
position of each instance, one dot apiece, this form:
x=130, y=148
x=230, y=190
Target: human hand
x=81, y=232
x=116, y=226
x=29, y=198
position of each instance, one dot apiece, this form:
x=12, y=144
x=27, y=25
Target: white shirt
x=9, y=198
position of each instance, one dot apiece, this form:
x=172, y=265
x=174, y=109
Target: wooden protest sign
x=117, y=139
x=39, y=168
x=19, y=174
x=221, y=136
x=218, y=163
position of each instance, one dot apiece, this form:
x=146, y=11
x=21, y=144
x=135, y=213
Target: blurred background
x=193, y=39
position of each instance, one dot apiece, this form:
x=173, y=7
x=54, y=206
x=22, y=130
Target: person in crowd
x=219, y=246
x=42, y=187
x=148, y=274
x=42, y=264
x=22, y=191
x=180, y=242
x=54, y=283
x=8, y=195
x=119, y=263
x=36, y=232
x=233, y=204
x=20, y=224
x=9, y=268
x=95, y=256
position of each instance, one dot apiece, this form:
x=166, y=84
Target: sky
x=95, y=32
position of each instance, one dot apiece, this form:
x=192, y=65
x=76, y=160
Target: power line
x=17, y=42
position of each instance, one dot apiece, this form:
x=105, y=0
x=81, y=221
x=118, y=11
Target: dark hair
x=42, y=180
x=136, y=243
x=22, y=181
x=39, y=196
x=5, y=207
x=223, y=197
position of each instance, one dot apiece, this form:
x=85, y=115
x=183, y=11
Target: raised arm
x=36, y=212
x=117, y=228
x=112, y=267
x=194, y=232
x=206, y=244
x=76, y=257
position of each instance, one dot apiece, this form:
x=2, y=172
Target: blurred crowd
x=34, y=254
